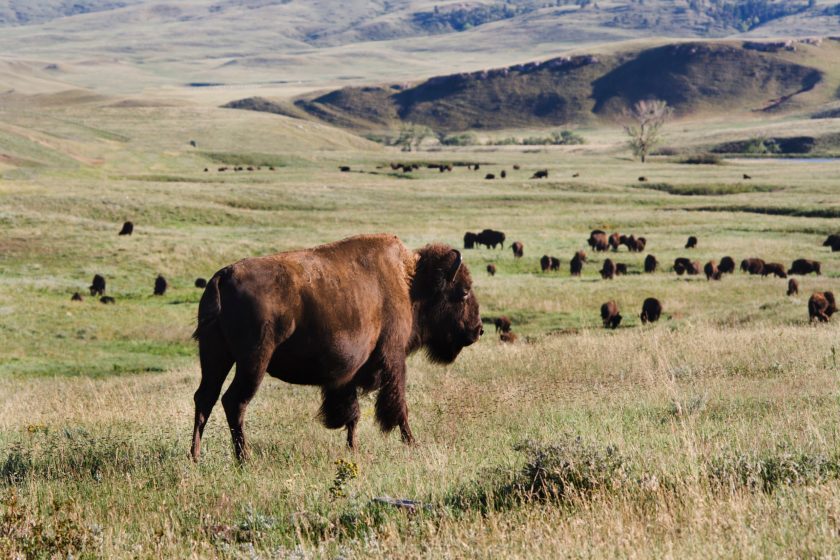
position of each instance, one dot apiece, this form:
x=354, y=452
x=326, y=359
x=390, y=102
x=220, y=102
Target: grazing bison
x=107, y=299
x=821, y=306
x=633, y=244
x=200, y=283
x=489, y=176
x=651, y=310
x=341, y=316
x=491, y=269
x=643, y=179
x=502, y=324
x=541, y=174
x=804, y=266
x=683, y=265
x=127, y=228
x=598, y=240
x=793, y=287
x=610, y=315
x=490, y=238
x=615, y=241
x=97, y=286
x=160, y=285
x=691, y=243
x=343, y=168
x=575, y=175
x=476, y=167
x=77, y=297
x=727, y=265
x=651, y=263
x=518, y=249
x=747, y=177
x=470, y=240
x=516, y=166
x=576, y=264
x=549, y=263
x=774, y=268
x=833, y=241
x=608, y=270
x=620, y=269
x=508, y=337
x=503, y=174
x=711, y=270
x=752, y=265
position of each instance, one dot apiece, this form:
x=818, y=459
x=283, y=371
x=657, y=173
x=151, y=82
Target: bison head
x=446, y=316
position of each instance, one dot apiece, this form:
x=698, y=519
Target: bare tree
x=412, y=135
x=644, y=122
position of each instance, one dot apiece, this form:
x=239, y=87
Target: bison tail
x=209, y=307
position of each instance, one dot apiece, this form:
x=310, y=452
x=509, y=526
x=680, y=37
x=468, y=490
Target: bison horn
x=456, y=266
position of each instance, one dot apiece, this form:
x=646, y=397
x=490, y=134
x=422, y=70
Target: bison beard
x=341, y=316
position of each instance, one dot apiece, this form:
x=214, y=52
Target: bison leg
x=391, y=409
x=216, y=362
x=249, y=375
x=340, y=408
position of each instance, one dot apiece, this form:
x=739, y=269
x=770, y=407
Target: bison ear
x=456, y=266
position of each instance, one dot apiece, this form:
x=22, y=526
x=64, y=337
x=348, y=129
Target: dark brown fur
x=805, y=266
x=651, y=310
x=491, y=269
x=615, y=241
x=711, y=271
x=821, y=306
x=341, y=316
x=77, y=297
x=774, y=268
x=610, y=315
x=598, y=240
x=200, y=283
x=651, y=264
x=128, y=227
x=97, y=286
x=469, y=240
x=160, y=285
x=793, y=287
x=691, y=243
x=608, y=270
x=518, y=249
x=541, y=174
x=502, y=324
x=727, y=265
x=576, y=264
x=508, y=337
x=752, y=265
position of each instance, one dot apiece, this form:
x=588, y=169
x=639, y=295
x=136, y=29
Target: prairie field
x=712, y=433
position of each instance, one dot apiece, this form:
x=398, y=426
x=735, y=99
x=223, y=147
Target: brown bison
x=683, y=265
x=127, y=229
x=516, y=166
x=747, y=177
x=651, y=263
x=343, y=169
x=643, y=179
x=615, y=241
x=598, y=240
x=608, y=270
x=610, y=315
x=711, y=270
x=490, y=238
x=489, y=176
x=518, y=249
x=508, y=337
x=727, y=265
x=502, y=324
x=541, y=174
x=633, y=244
x=691, y=243
x=503, y=174
x=107, y=299
x=752, y=265
x=793, y=287
x=200, y=283
x=804, y=266
x=620, y=269
x=821, y=306
x=491, y=269
x=576, y=264
x=77, y=297
x=160, y=285
x=97, y=286
x=341, y=316
x=651, y=310
x=469, y=240
x=777, y=269
x=833, y=241
x=549, y=263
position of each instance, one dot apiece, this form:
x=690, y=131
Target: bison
x=76, y=297
x=821, y=306
x=502, y=324
x=598, y=240
x=200, y=283
x=541, y=174
x=727, y=265
x=804, y=266
x=343, y=169
x=747, y=177
x=127, y=229
x=490, y=238
x=516, y=166
x=752, y=265
x=342, y=316
x=576, y=264
x=620, y=269
x=610, y=315
x=107, y=299
x=711, y=270
x=774, y=268
x=160, y=285
x=651, y=263
x=683, y=265
x=491, y=269
x=470, y=240
x=833, y=241
x=503, y=174
x=643, y=179
x=633, y=244
x=489, y=176
x=97, y=286
x=608, y=270
x=793, y=287
x=518, y=249
x=651, y=310
x=549, y=263
x=508, y=337
x=691, y=243
x=615, y=241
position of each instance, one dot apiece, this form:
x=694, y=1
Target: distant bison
x=491, y=269
x=752, y=265
x=516, y=166
x=643, y=179
x=343, y=168
x=541, y=174
x=683, y=265
x=727, y=265
x=620, y=269
x=804, y=266
x=691, y=243
x=508, y=337
x=651, y=310
x=598, y=240
x=502, y=324
x=608, y=270
x=77, y=297
x=833, y=241
x=127, y=229
x=490, y=238
x=615, y=241
x=107, y=299
x=793, y=287
x=160, y=285
x=97, y=286
x=549, y=263
x=711, y=270
x=489, y=176
x=633, y=244
x=470, y=240
x=821, y=306
x=518, y=249
x=610, y=315
x=503, y=174
x=747, y=177
x=576, y=264
x=200, y=283
x=651, y=263
x=777, y=269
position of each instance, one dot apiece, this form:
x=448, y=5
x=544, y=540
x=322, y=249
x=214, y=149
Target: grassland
x=712, y=433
